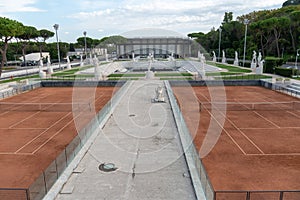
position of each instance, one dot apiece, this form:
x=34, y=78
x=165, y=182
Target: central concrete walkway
x=142, y=141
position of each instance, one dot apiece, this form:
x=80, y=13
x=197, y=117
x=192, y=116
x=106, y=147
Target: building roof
x=152, y=33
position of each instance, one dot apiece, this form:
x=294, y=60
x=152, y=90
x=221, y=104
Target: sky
x=100, y=18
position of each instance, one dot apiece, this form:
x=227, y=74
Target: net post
x=27, y=194
x=281, y=195
x=248, y=195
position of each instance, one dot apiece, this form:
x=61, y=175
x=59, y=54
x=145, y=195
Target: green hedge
x=271, y=63
x=285, y=72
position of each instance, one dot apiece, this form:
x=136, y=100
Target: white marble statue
x=48, y=61
x=260, y=68
x=41, y=63
x=81, y=61
x=236, y=59
x=214, y=56
x=254, y=61
x=68, y=63
x=223, y=57
x=259, y=58
x=159, y=94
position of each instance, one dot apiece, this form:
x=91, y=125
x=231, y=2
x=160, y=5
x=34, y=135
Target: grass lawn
x=120, y=78
x=19, y=79
x=71, y=71
x=173, y=74
x=243, y=77
x=126, y=75
x=230, y=68
x=184, y=78
x=221, y=73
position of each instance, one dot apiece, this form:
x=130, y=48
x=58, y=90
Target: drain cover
x=132, y=115
x=107, y=167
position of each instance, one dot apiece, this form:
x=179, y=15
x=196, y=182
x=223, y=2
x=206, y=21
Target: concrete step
x=295, y=87
x=296, y=84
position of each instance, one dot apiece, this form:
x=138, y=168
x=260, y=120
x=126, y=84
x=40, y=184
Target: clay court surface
x=258, y=150
x=31, y=140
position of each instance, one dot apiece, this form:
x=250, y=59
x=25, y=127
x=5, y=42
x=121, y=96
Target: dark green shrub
x=271, y=63
x=285, y=72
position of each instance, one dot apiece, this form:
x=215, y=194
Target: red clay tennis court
x=258, y=154
x=35, y=128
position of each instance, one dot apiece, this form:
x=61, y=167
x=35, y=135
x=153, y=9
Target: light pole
x=296, y=64
x=84, y=33
x=58, y=54
x=220, y=37
x=246, y=22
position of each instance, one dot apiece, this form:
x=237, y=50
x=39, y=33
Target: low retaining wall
x=11, y=91
x=81, y=83
x=216, y=83
x=202, y=187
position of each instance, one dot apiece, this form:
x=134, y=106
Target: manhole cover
x=107, y=167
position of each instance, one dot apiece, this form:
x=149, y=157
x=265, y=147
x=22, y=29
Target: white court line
x=73, y=119
x=42, y=133
x=17, y=123
x=57, y=132
x=298, y=127
x=11, y=153
x=243, y=134
x=275, y=154
x=266, y=119
x=293, y=114
x=239, y=147
x=23, y=128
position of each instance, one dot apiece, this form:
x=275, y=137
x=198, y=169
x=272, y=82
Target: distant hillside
x=291, y=2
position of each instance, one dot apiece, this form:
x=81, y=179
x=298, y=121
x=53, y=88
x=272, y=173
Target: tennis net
x=46, y=107
x=245, y=106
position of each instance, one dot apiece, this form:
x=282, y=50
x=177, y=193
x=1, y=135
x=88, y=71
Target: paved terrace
x=142, y=141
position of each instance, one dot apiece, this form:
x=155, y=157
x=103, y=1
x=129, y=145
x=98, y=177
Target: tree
x=228, y=17
x=291, y=2
x=277, y=25
x=294, y=25
x=81, y=41
x=28, y=34
x=44, y=35
x=8, y=30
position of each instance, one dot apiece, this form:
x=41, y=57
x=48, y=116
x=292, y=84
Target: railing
x=46, y=180
x=258, y=195
x=48, y=177
x=194, y=162
x=18, y=89
x=202, y=185
x=281, y=88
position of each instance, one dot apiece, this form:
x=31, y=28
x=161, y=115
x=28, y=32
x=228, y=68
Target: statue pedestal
x=42, y=74
x=259, y=70
x=149, y=75
x=253, y=66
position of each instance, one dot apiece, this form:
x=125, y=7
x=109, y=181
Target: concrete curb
x=187, y=146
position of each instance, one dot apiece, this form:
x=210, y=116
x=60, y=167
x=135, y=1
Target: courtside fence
x=200, y=180
x=195, y=164
x=48, y=177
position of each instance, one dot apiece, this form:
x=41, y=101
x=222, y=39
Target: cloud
x=178, y=15
x=18, y=6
